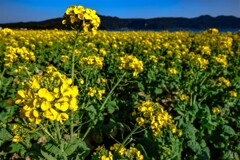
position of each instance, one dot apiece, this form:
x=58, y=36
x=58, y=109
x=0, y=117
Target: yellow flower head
x=16, y=138
x=49, y=95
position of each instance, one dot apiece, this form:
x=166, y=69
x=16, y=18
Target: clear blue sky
x=37, y=10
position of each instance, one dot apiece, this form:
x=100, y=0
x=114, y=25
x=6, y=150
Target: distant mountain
x=115, y=23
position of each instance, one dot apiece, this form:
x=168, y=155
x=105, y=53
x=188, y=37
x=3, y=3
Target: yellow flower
x=44, y=93
x=172, y=71
x=180, y=133
x=140, y=121
x=21, y=94
x=62, y=106
x=216, y=110
x=64, y=21
x=45, y=105
x=115, y=148
x=174, y=129
x=73, y=104
x=16, y=138
x=184, y=97
x=233, y=93
x=51, y=114
x=35, y=84
x=109, y=157
x=64, y=58
x=81, y=81
x=15, y=128
x=62, y=117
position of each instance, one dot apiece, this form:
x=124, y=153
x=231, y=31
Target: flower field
x=119, y=95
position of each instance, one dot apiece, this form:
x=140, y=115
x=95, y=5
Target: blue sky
x=37, y=10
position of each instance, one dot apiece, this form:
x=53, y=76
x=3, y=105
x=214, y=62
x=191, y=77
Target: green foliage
x=185, y=72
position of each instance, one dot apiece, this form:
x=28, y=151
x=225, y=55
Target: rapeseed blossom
x=13, y=54
x=126, y=153
x=152, y=115
x=47, y=96
x=82, y=18
x=130, y=62
x=94, y=61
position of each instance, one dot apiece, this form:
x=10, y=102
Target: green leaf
x=151, y=75
x=205, y=153
x=72, y=146
x=189, y=130
x=158, y=90
x=140, y=86
x=5, y=135
x=143, y=151
x=194, y=146
x=92, y=109
x=17, y=148
x=47, y=156
x=111, y=106
x=229, y=130
x=51, y=148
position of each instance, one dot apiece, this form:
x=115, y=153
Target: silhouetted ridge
x=115, y=23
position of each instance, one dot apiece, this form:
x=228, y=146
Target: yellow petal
x=73, y=104
x=35, y=113
x=27, y=113
x=74, y=91
x=45, y=105
x=62, y=106
x=35, y=84
x=63, y=99
x=51, y=114
x=21, y=93
x=38, y=120
x=44, y=93
x=16, y=138
x=50, y=97
x=62, y=117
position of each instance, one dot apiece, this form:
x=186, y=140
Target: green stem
x=1, y=78
x=49, y=134
x=110, y=93
x=58, y=132
x=88, y=130
x=127, y=138
x=72, y=76
x=102, y=107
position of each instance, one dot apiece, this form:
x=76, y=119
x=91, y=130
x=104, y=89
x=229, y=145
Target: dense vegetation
x=150, y=95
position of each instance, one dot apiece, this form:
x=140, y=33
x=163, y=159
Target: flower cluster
x=216, y=110
x=233, y=93
x=92, y=61
x=221, y=59
x=14, y=54
x=125, y=153
x=224, y=81
x=7, y=31
x=130, y=62
x=64, y=58
x=172, y=71
x=49, y=95
x=201, y=62
x=16, y=138
x=102, y=153
x=92, y=91
x=131, y=153
x=204, y=50
x=82, y=18
x=153, y=58
x=152, y=114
